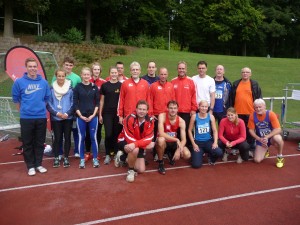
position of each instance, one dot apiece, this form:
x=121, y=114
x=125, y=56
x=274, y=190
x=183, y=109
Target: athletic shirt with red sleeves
x=185, y=94
x=130, y=94
x=159, y=96
x=171, y=129
x=134, y=132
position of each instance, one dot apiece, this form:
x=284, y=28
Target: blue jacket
x=66, y=104
x=32, y=95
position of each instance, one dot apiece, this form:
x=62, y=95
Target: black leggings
x=112, y=130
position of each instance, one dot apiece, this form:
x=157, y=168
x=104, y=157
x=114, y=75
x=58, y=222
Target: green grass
x=272, y=73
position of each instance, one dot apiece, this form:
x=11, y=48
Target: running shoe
x=107, y=159
x=66, y=162
x=31, y=172
x=118, y=160
x=82, y=164
x=155, y=158
x=96, y=163
x=41, y=169
x=161, y=168
x=251, y=154
x=77, y=155
x=60, y=157
x=225, y=157
x=280, y=162
x=56, y=162
x=130, y=176
x=239, y=159
x=267, y=154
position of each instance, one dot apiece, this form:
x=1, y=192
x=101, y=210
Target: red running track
x=227, y=193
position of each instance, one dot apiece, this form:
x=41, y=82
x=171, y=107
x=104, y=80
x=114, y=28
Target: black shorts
x=171, y=148
x=122, y=144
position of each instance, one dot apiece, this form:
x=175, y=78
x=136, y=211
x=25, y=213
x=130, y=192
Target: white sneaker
x=31, y=172
x=77, y=155
x=130, y=176
x=107, y=160
x=225, y=157
x=155, y=158
x=41, y=169
x=118, y=160
x=251, y=154
x=239, y=159
x=60, y=157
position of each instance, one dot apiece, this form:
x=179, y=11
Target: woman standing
x=86, y=104
x=109, y=99
x=206, y=136
x=61, y=109
x=98, y=81
x=232, y=134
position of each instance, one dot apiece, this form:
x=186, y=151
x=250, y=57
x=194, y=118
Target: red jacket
x=159, y=96
x=98, y=82
x=141, y=135
x=130, y=94
x=185, y=94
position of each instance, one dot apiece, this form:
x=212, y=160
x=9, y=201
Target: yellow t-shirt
x=243, y=100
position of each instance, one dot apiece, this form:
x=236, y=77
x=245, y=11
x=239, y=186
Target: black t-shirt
x=111, y=92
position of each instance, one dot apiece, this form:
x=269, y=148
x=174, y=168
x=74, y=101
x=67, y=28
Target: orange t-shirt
x=272, y=116
x=243, y=99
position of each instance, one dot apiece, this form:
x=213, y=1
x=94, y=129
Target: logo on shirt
x=175, y=86
x=130, y=85
x=31, y=88
x=187, y=86
x=159, y=87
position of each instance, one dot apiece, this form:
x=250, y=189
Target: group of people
x=140, y=114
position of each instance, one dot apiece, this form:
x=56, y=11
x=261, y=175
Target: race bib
x=203, y=130
x=172, y=134
x=219, y=94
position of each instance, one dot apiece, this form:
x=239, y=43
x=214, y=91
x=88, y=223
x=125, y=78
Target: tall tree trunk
x=88, y=20
x=8, y=18
x=244, y=53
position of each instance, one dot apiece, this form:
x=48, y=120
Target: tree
x=233, y=18
x=30, y=6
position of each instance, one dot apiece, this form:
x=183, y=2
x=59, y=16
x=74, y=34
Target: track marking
x=188, y=205
x=112, y=175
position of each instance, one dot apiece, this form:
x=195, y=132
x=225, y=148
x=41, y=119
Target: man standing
x=68, y=65
x=168, y=142
x=135, y=138
x=205, y=86
x=132, y=90
x=244, y=92
x=160, y=93
x=265, y=128
x=151, y=77
x=121, y=76
x=185, y=95
x=31, y=93
x=222, y=97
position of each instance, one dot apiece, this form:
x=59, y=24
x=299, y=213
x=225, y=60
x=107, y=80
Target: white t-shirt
x=204, y=86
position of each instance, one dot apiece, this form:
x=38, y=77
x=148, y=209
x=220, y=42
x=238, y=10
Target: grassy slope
x=272, y=74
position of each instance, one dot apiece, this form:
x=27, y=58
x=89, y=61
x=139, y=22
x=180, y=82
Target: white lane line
x=44, y=159
x=111, y=175
x=188, y=205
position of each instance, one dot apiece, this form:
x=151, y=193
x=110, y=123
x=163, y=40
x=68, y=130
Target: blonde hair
x=97, y=64
x=60, y=70
x=232, y=110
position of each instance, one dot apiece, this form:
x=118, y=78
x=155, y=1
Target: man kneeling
x=265, y=128
x=135, y=138
x=167, y=142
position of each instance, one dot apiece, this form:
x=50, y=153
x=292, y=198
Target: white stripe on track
x=108, y=176
x=188, y=205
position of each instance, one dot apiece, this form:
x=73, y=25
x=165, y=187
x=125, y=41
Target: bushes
x=144, y=41
x=50, y=36
x=73, y=35
x=120, y=51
